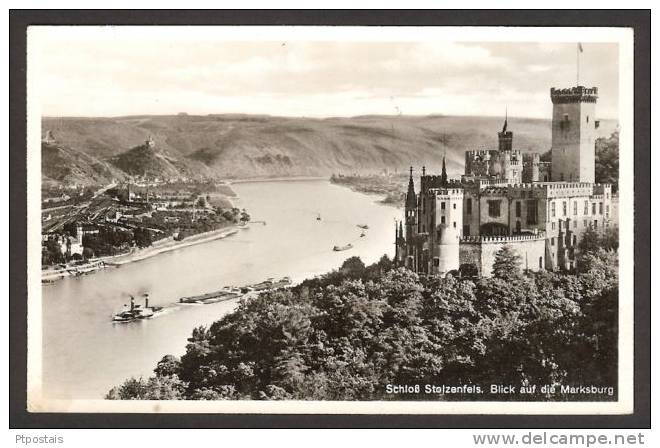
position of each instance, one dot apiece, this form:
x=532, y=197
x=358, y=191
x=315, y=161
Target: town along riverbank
x=136, y=254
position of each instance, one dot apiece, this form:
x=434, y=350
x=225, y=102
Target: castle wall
x=545, y=171
x=471, y=212
x=481, y=252
x=497, y=213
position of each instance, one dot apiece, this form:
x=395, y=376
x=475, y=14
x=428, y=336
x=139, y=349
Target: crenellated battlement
x=456, y=192
x=502, y=238
x=579, y=94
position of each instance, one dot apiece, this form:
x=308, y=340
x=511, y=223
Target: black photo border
x=639, y=20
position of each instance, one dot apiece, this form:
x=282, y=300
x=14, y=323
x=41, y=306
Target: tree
x=507, y=264
x=142, y=237
x=468, y=270
x=352, y=267
x=607, y=160
x=590, y=241
x=169, y=365
x=154, y=388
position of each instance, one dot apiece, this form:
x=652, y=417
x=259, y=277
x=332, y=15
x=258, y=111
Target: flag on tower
x=580, y=47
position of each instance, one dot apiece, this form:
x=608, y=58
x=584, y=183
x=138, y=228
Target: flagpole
x=577, y=53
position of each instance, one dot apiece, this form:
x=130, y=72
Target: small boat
x=363, y=226
x=137, y=312
x=318, y=217
x=340, y=248
x=362, y=235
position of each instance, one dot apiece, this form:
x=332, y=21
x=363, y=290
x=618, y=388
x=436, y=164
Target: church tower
x=574, y=133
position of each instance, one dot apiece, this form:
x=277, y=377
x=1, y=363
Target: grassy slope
x=248, y=146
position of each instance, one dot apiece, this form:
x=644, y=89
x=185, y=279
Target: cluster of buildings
x=506, y=197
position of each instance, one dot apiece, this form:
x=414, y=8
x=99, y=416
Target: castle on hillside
x=540, y=209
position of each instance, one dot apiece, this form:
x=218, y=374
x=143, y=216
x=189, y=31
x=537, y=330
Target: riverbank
x=274, y=179
x=390, y=189
x=159, y=247
x=170, y=244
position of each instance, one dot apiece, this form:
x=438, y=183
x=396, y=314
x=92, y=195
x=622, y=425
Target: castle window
x=442, y=220
x=532, y=212
x=494, y=209
x=574, y=240
x=442, y=205
x=600, y=208
x=586, y=207
x=552, y=241
x=518, y=209
x=587, y=118
x=564, y=208
x=454, y=224
x=469, y=206
x=552, y=224
x=575, y=224
x=593, y=208
x=540, y=262
x=466, y=230
x=560, y=223
x=552, y=209
x=585, y=223
x=595, y=223
x=436, y=261
x=454, y=206
x=575, y=208
x=607, y=209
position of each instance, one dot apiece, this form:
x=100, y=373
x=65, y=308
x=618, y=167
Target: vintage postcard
x=381, y=220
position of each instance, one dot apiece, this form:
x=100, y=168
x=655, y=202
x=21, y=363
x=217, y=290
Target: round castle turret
x=446, y=215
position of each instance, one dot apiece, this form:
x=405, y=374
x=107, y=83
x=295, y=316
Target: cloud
x=116, y=71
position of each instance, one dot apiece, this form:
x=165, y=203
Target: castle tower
x=574, y=133
x=446, y=218
x=505, y=137
x=531, y=162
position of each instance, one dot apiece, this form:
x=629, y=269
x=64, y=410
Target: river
x=85, y=354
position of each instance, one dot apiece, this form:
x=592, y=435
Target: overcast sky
x=108, y=71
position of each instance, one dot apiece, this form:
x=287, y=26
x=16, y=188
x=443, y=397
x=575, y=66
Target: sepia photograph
x=330, y=220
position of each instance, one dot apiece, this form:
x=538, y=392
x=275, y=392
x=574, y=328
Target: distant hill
x=240, y=146
x=155, y=162
x=62, y=165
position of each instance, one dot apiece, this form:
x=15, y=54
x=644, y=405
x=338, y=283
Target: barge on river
x=229, y=292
